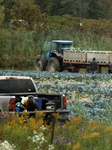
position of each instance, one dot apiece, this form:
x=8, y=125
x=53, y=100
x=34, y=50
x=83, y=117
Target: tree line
x=88, y=9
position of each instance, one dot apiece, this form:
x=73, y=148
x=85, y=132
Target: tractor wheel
x=53, y=64
x=88, y=69
x=40, y=64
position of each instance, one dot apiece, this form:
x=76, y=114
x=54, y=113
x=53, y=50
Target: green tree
x=42, y=4
x=75, y=8
x=69, y=7
x=82, y=8
x=8, y=4
x=52, y=7
x=93, y=7
x=105, y=9
x=2, y=36
x=1, y=15
x=28, y=11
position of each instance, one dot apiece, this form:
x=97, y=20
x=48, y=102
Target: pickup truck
x=14, y=88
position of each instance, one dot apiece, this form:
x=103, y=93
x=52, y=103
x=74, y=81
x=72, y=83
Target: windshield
x=66, y=46
x=16, y=86
x=48, y=47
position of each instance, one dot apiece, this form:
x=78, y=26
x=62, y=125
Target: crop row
x=78, y=88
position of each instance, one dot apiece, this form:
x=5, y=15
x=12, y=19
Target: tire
x=40, y=64
x=53, y=64
x=88, y=69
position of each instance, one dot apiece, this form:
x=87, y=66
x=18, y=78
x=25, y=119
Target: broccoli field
x=89, y=96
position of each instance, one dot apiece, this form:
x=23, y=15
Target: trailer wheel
x=53, y=64
x=88, y=69
x=40, y=64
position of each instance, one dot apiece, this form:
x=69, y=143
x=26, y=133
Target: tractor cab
x=62, y=45
x=55, y=46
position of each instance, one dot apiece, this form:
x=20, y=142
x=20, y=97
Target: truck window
x=16, y=86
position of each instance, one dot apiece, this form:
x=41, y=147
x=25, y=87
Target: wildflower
x=69, y=145
x=2, y=116
x=63, y=140
x=25, y=113
x=79, y=120
x=81, y=129
x=34, y=132
x=77, y=146
x=56, y=76
x=108, y=130
x=50, y=147
x=42, y=127
x=57, y=139
x=12, y=123
x=6, y=146
x=94, y=137
x=38, y=138
x=71, y=127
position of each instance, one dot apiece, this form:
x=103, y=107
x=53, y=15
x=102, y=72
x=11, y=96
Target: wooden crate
x=109, y=56
x=72, y=56
x=78, y=56
x=90, y=55
x=84, y=56
x=66, y=55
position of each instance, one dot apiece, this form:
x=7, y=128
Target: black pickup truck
x=14, y=88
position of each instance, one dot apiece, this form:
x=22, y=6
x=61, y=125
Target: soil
x=103, y=71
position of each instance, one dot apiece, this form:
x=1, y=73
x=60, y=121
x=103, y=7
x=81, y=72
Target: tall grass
x=21, y=47
x=75, y=134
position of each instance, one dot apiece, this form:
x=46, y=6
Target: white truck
x=16, y=88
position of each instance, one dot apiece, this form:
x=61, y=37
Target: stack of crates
x=78, y=56
x=87, y=56
x=101, y=56
x=66, y=53
x=91, y=54
x=72, y=56
x=109, y=55
x=69, y=55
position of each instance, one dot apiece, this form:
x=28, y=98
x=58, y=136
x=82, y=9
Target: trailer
x=76, y=60
x=60, y=55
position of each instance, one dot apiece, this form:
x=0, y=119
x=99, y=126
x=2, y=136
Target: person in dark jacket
x=110, y=67
x=32, y=104
x=94, y=66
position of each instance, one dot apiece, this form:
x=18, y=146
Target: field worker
x=110, y=67
x=93, y=66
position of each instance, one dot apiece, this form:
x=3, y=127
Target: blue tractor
x=51, y=57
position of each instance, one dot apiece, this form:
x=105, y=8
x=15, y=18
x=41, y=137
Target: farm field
x=89, y=100
x=91, y=93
